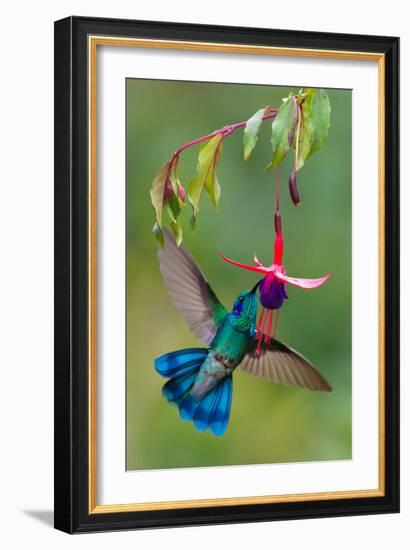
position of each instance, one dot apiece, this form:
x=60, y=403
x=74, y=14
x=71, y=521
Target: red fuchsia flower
x=272, y=287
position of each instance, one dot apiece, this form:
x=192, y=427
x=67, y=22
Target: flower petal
x=256, y=269
x=302, y=283
x=272, y=292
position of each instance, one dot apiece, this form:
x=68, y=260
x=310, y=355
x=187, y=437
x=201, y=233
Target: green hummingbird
x=200, y=379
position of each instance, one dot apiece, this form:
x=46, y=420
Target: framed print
x=226, y=274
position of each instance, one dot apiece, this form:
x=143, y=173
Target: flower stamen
x=269, y=327
x=276, y=323
x=260, y=322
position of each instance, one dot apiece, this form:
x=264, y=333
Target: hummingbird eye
x=241, y=298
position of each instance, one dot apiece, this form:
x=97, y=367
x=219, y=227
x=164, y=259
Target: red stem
x=278, y=244
x=225, y=131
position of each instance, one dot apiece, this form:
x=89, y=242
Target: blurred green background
x=269, y=423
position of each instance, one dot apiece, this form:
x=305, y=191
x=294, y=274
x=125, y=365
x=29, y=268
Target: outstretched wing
x=189, y=290
x=283, y=365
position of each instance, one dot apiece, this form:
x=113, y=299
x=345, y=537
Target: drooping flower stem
x=264, y=327
x=278, y=244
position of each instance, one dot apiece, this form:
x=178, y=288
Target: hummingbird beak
x=254, y=288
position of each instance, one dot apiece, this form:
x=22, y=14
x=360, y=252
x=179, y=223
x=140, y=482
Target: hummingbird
x=200, y=379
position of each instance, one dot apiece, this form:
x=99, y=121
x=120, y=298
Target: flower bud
x=168, y=190
x=293, y=188
x=278, y=222
x=181, y=193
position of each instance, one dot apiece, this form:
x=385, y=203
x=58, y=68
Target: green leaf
x=316, y=109
x=214, y=189
x=157, y=192
x=283, y=130
x=211, y=181
x=208, y=157
x=251, y=131
x=177, y=230
x=159, y=235
x=173, y=208
x=303, y=141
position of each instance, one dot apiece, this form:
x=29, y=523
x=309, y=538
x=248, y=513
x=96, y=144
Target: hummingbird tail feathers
x=181, y=367
x=180, y=362
x=210, y=411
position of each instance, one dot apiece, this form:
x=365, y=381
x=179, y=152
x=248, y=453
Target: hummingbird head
x=243, y=315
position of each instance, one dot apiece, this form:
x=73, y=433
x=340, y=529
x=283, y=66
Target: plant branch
x=225, y=131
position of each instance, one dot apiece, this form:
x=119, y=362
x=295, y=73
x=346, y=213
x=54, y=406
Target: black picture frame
x=71, y=492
